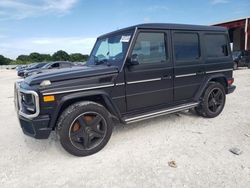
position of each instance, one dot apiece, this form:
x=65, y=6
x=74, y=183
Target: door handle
x=166, y=77
x=199, y=73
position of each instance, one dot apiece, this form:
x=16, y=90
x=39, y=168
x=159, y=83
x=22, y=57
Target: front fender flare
x=111, y=107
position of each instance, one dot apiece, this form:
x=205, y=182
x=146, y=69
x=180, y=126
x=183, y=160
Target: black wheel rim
x=215, y=100
x=88, y=130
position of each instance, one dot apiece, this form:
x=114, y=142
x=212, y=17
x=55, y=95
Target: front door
x=150, y=82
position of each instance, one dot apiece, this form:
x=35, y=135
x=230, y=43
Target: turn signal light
x=49, y=98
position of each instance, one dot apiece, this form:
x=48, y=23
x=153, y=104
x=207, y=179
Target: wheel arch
x=219, y=78
x=100, y=97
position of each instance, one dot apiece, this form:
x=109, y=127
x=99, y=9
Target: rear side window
x=186, y=46
x=65, y=65
x=150, y=48
x=216, y=45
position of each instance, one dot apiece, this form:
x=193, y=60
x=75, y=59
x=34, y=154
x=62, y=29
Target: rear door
x=188, y=67
x=150, y=83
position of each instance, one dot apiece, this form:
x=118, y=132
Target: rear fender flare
x=206, y=82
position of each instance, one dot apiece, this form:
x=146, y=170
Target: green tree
x=36, y=57
x=23, y=58
x=46, y=57
x=4, y=60
x=77, y=57
x=60, y=56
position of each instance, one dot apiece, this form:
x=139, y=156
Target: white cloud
x=20, y=9
x=215, y=2
x=13, y=48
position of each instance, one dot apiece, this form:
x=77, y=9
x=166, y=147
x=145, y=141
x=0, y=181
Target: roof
x=234, y=20
x=170, y=26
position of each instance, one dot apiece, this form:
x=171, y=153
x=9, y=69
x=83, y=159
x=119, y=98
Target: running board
x=160, y=113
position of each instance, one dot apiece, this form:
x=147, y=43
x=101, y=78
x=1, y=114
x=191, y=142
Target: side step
x=160, y=113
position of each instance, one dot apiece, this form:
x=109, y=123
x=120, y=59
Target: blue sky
x=46, y=26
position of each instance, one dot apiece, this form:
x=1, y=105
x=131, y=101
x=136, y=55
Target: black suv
x=241, y=59
x=132, y=74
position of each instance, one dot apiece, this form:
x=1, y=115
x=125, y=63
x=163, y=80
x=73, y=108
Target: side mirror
x=133, y=60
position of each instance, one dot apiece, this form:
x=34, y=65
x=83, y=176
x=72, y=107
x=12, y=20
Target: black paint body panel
x=127, y=90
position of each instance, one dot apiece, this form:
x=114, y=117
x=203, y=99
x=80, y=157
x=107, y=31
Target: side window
x=150, y=48
x=65, y=65
x=186, y=46
x=216, y=45
x=55, y=65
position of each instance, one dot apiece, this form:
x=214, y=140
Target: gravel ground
x=137, y=155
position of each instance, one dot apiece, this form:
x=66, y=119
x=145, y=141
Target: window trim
x=187, y=61
x=205, y=46
x=167, y=34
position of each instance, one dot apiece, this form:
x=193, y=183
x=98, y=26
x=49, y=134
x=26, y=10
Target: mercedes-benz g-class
x=132, y=74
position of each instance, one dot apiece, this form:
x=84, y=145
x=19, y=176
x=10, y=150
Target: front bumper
x=36, y=128
x=231, y=89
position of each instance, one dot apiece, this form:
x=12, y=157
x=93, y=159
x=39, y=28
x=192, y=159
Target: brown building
x=239, y=32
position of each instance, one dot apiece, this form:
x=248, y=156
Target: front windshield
x=110, y=50
x=39, y=65
x=46, y=65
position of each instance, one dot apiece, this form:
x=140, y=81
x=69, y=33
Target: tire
x=235, y=66
x=213, y=101
x=198, y=111
x=84, y=128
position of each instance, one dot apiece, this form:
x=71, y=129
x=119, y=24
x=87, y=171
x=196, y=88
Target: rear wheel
x=84, y=128
x=213, y=101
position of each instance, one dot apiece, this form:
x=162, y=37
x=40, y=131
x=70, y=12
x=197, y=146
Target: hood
x=70, y=73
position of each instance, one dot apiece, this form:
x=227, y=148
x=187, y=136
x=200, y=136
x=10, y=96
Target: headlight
x=28, y=102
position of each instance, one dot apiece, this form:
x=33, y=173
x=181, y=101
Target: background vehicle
x=30, y=67
x=48, y=67
x=132, y=74
x=241, y=59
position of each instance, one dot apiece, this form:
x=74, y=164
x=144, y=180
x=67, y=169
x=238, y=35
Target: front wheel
x=84, y=128
x=213, y=101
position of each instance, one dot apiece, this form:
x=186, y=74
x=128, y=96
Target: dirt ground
x=137, y=155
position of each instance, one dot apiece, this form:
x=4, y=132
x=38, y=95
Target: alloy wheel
x=88, y=130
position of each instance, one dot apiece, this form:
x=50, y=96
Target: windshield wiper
x=103, y=61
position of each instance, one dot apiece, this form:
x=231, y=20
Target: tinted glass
x=55, y=65
x=216, y=45
x=186, y=46
x=150, y=48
